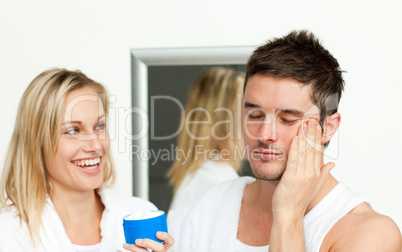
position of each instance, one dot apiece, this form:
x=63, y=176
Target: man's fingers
x=301, y=158
x=310, y=148
x=326, y=169
x=291, y=165
x=319, y=149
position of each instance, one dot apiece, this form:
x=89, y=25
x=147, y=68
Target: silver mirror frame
x=141, y=59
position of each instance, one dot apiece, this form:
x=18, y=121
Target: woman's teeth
x=87, y=162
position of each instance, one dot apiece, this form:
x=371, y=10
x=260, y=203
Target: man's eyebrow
x=251, y=105
x=78, y=122
x=291, y=111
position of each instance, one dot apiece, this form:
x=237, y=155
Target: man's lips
x=267, y=154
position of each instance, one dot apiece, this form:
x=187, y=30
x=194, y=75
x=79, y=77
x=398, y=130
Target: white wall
x=96, y=36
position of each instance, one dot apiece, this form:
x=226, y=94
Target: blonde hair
x=212, y=101
x=24, y=183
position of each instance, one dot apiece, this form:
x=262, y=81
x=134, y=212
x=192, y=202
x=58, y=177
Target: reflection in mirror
x=160, y=82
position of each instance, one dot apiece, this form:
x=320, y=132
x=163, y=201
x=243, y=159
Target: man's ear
x=331, y=125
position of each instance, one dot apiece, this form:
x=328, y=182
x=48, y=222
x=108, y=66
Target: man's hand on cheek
x=304, y=174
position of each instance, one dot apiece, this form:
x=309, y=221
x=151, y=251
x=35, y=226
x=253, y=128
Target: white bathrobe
x=210, y=222
x=210, y=173
x=52, y=237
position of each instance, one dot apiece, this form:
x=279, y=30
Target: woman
x=54, y=187
x=210, y=144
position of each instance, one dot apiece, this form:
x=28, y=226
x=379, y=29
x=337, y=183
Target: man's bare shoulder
x=363, y=229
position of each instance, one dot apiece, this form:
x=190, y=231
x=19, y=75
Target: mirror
x=160, y=82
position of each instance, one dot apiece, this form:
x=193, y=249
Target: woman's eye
x=72, y=131
x=101, y=126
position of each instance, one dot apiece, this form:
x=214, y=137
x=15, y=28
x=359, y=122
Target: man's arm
x=302, y=179
x=287, y=235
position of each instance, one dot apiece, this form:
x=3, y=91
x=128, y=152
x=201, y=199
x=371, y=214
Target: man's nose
x=267, y=131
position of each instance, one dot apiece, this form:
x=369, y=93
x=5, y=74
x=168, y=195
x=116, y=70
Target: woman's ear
x=331, y=125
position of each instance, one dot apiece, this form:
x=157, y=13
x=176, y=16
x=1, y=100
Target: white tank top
x=319, y=220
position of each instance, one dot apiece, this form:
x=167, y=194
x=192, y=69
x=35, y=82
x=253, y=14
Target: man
x=292, y=91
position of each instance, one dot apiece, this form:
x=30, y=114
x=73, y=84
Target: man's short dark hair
x=300, y=56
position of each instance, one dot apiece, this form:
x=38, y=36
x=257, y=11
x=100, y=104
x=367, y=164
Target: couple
x=53, y=201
